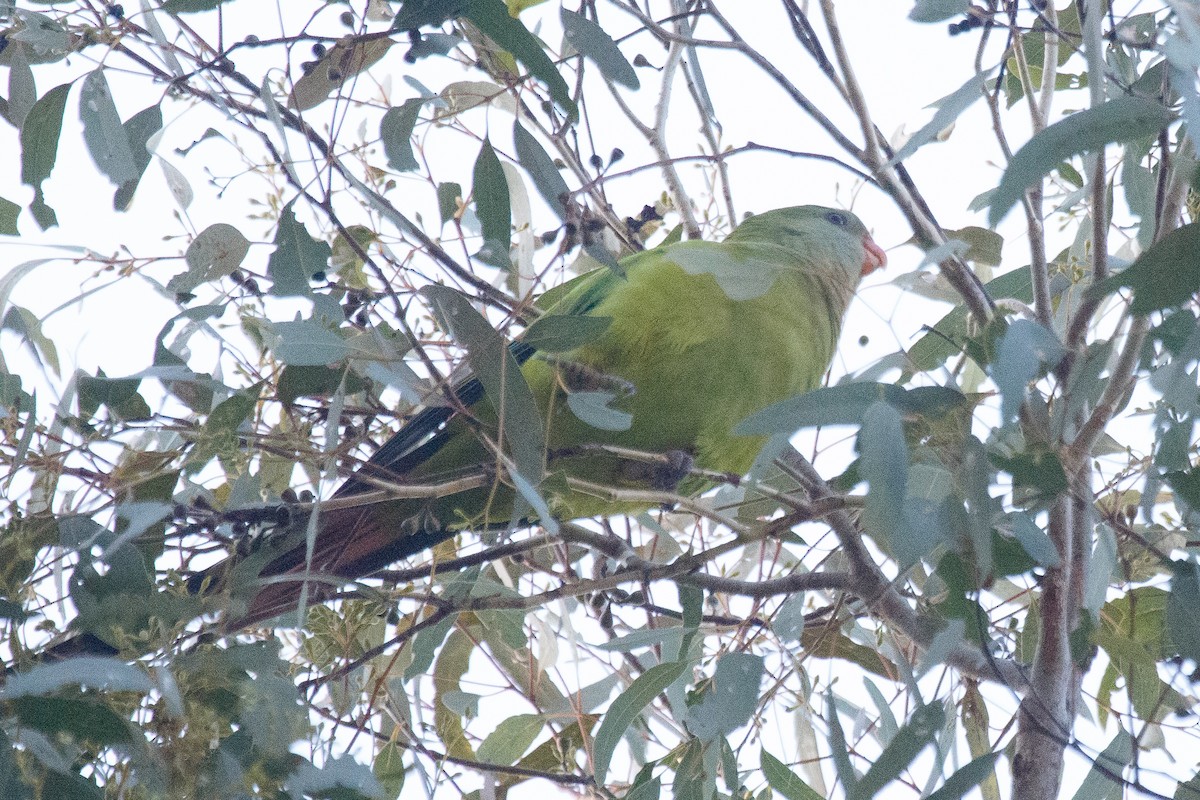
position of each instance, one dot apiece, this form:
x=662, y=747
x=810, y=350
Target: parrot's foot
x=577, y=377
x=665, y=477
x=423, y=522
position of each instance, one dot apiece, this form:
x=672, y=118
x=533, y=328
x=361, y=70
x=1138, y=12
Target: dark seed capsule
x=617, y=155
x=596, y=161
x=347, y=19
x=318, y=49
x=116, y=11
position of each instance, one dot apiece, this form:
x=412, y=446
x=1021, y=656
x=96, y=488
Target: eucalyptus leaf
x=493, y=19
x=594, y=43
x=297, y=257
x=626, y=708
x=731, y=699
x=396, y=130
x=39, y=148
x=494, y=365
x=1024, y=351
x=546, y=178
x=949, y=107
x=1165, y=276
x=1182, y=608
x=790, y=785
x=1122, y=119
x=884, y=464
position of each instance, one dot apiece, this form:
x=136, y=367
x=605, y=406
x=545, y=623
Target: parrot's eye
x=837, y=218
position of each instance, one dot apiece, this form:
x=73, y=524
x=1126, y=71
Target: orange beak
x=873, y=256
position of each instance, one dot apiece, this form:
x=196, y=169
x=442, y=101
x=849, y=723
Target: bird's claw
x=666, y=476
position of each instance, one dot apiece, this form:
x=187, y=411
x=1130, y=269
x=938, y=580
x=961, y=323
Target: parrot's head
x=826, y=239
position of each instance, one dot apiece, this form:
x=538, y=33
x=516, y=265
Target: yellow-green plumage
x=705, y=333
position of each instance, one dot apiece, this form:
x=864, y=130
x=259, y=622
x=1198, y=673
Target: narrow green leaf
x=89, y=672
x=22, y=88
x=119, y=395
x=490, y=190
x=838, y=749
x=645, y=790
x=558, y=333
x=448, y=194
x=425, y=646
x=297, y=257
x=649, y=637
x=923, y=524
x=626, y=708
x=884, y=465
x=492, y=17
x=138, y=130
x=1165, y=276
x=546, y=178
x=731, y=699
x=414, y=14
x=1186, y=485
x=594, y=409
x=9, y=212
x=103, y=133
x=498, y=371
x=1120, y=120
x=783, y=780
x=888, y=727
x=948, y=109
x=1033, y=539
x=307, y=343
x=39, y=148
x=396, y=129
x=191, y=6
x=845, y=405
x=1100, y=783
x=920, y=730
x=78, y=717
x=938, y=10
x=964, y=780
x=949, y=335
x=594, y=43
x=339, y=777
x=1189, y=790
x=511, y=738
x=1182, y=607
x=1024, y=351
x=984, y=246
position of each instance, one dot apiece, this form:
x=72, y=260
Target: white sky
x=902, y=67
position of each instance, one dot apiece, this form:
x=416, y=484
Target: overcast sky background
x=902, y=67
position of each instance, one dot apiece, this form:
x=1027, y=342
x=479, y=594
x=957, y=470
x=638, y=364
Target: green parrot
x=699, y=335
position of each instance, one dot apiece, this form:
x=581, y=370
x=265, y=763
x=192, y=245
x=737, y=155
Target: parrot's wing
x=426, y=433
